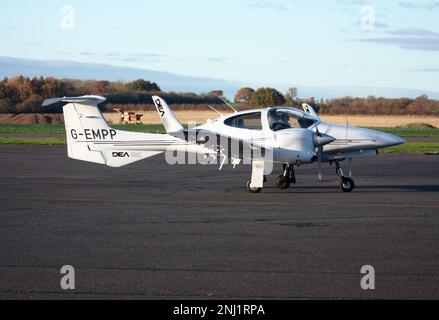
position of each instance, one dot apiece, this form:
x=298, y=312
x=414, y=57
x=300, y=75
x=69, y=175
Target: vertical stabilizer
x=170, y=122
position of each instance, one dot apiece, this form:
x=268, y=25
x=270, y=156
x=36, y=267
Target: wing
x=354, y=154
x=227, y=146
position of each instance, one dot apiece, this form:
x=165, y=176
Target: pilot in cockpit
x=278, y=120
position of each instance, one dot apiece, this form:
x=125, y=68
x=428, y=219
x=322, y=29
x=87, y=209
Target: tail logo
x=120, y=155
x=160, y=107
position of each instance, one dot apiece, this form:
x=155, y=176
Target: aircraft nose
x=388, y=140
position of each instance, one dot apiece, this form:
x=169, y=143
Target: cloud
x=380, y=25
x=414, y=32
x=267, y=5
x=432, y=5
x=139, y=57
x=410, y=43
x=351, y=2
x=428, y=69
x=217, y=59
x=377, y=25
x=409, y=38
x=406, y=4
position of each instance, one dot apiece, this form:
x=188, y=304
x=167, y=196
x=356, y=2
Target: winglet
x=169, y=120
x=310, y=110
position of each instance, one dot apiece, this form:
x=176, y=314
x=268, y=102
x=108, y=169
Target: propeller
x=319, y=154
x=321, y=139
x=350, y=166
x=320, y=159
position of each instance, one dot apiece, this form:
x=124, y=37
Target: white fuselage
x=289, y=145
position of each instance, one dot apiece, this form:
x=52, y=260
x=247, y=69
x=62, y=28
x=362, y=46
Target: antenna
x=227, y=103
x=216, y=110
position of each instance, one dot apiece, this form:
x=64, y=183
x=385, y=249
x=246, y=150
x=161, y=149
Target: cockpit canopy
x=250, y=121
x=280, y=118
x=284, y=118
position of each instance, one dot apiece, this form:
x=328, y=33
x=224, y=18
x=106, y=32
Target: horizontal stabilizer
x=93, y=100
x=118, y=159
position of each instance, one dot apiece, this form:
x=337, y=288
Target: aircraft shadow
x=360, y=188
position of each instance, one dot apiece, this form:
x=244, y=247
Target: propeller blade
x=350, y=167
x=319, y=141
x=317, y=130
x=320, y=159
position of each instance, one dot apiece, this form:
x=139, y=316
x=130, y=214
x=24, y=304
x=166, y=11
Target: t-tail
x=90, y=138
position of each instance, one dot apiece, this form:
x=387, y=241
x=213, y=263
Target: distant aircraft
x=260, y=137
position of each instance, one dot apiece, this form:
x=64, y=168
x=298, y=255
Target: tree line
x=263, y=97
x=25, y=95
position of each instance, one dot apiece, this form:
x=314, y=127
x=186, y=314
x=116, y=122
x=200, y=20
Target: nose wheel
x=284, y=180
x=346, y=184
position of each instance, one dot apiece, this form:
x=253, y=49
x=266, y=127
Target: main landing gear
x=288, y=177
x=346, y=184
x=252, y=190
x=284, y=180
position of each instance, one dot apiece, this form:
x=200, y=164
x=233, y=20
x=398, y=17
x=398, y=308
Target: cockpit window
x=281, y=119
x=250, y=121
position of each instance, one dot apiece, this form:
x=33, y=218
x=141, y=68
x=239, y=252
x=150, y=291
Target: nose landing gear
x=284, y=180
x=346, y=184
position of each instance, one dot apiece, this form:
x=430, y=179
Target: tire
x=283, y=182
x=252, y=190
x=347, y=184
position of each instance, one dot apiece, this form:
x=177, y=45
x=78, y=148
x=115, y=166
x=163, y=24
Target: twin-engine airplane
x=261, y=137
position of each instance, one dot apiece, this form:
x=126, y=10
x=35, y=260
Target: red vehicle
x=129, y=117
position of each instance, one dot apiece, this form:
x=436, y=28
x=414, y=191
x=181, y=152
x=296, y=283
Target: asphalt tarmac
x=154, y=231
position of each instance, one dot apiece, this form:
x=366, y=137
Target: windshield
x=250, y=121
x=281, y=119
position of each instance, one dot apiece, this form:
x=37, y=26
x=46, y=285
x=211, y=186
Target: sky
x=327, y=43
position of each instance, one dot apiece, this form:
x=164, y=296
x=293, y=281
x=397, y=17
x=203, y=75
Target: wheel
x=283, y=182
x=252, y=190
x=347, y=184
